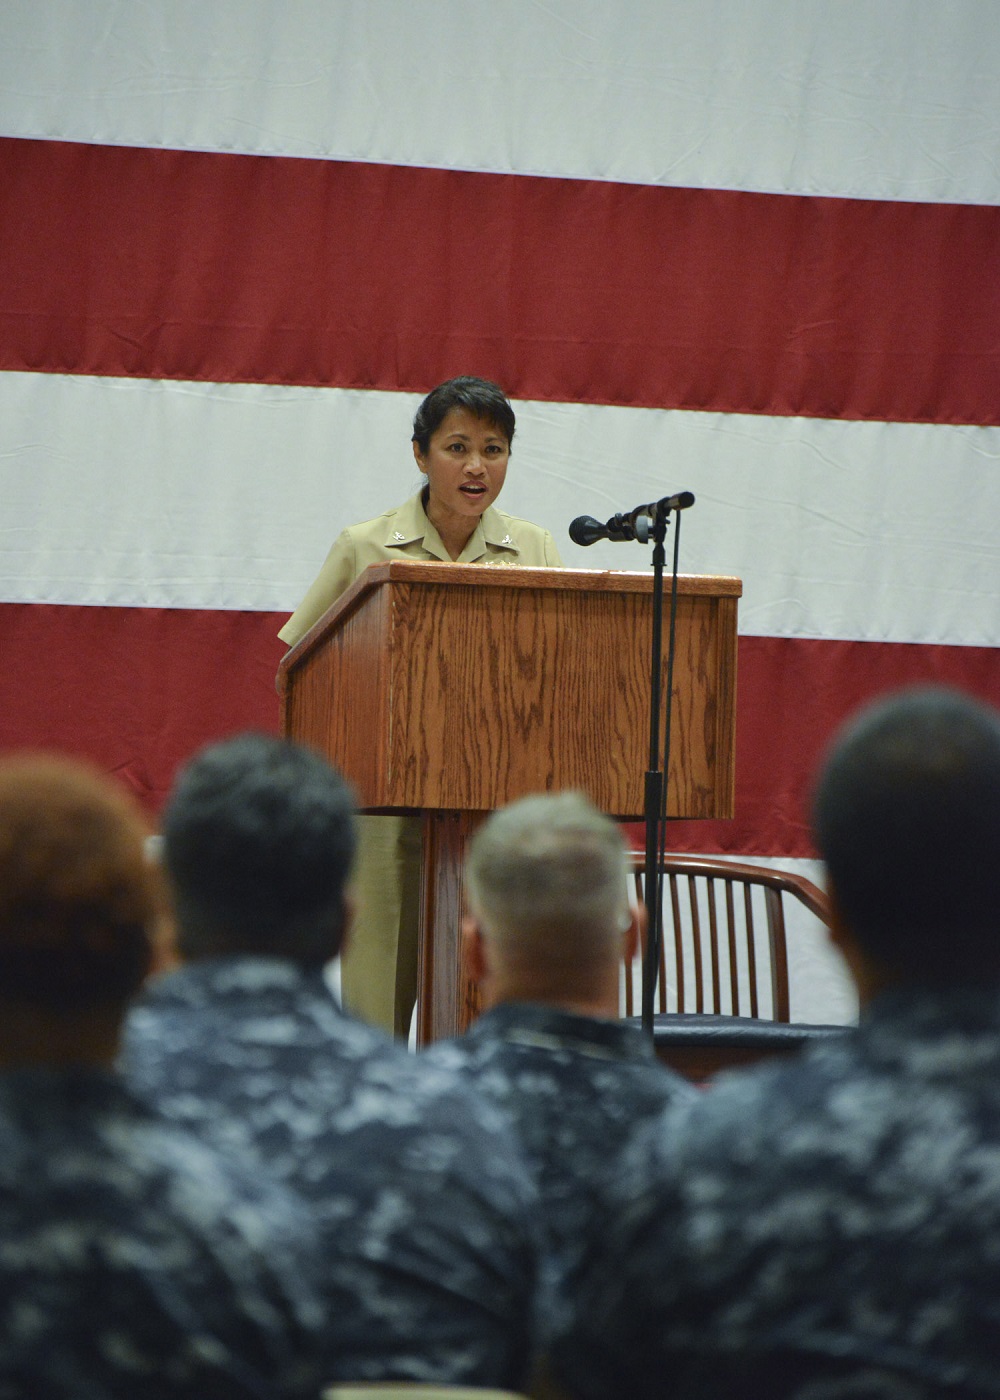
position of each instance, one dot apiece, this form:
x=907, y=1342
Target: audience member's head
x=78, y=904
x=550, y=918
x=907, y=819
x=258, y=840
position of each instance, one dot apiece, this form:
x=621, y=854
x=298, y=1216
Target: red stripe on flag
x=137, y=690
x=188, y=265
x=792, y=696
x=140, y=689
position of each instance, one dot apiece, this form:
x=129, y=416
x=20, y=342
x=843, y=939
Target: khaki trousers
x=379, y=966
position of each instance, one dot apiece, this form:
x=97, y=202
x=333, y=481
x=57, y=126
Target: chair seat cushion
x=736, y=1032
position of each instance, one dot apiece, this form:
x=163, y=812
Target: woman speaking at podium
x=462, y=436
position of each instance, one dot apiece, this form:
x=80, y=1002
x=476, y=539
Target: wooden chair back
x=724, y=950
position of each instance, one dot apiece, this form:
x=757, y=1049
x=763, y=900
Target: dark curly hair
x=78, y=895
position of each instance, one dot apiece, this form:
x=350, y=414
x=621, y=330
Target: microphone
x=586, y=530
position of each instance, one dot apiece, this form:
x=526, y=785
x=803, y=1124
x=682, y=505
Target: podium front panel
x=450, y=687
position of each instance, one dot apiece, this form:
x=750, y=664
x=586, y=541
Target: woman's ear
x=418, y=457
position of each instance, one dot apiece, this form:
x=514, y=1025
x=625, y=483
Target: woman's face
x=465, y=465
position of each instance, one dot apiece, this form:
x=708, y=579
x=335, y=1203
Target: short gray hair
x=549, y=867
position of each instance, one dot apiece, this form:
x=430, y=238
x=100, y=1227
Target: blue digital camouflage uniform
x=136, y=1263
x=426, y=1209
x=576, y=1089
x=824, y=1227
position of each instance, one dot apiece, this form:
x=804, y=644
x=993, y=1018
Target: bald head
x=547, y=883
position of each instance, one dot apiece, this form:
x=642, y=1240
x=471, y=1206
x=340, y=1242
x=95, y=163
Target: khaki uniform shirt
x=406, y=533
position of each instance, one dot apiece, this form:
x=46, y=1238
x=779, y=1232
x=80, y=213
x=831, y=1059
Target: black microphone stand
x=655, y=790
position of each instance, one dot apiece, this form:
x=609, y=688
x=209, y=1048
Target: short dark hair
x=78, y=894
x=480, y=396
x=258, y=841
x=907, y=819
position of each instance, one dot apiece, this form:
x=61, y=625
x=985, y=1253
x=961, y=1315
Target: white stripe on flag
x=172, y=494
x=888, y=101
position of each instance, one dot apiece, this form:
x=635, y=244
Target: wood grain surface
x=453, y=689
x=462, y=687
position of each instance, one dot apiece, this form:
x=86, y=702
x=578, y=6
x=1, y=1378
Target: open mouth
x=473, y=490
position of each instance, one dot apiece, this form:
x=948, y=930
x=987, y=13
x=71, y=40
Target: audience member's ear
x=634, y=931
x=869, y=977
x=839, y=934
x=350, y=907
x=475, y=957
x=164, y=953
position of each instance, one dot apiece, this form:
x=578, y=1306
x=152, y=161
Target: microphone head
x=586, y=530
x=684, y=499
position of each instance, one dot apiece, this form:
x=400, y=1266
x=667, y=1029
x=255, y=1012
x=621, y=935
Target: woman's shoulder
x=526, y=527
x=533, y=542
x=380, y=526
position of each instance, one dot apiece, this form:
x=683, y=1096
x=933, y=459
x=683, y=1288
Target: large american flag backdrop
x=748, y=248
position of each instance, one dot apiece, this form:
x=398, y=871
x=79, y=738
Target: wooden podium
x=449, y=690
